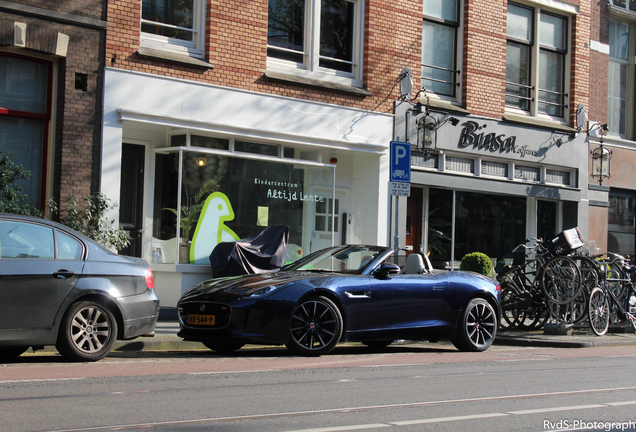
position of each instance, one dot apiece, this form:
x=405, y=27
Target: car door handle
x=63, y=274
x=358, y=295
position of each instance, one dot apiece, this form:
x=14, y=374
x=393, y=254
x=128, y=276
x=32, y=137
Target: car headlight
x=262, y=292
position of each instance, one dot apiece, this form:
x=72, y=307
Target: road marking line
x=41, y=380
x=555, y=409
x=621, y=403
x=345, y=428
x=233, y=372
x=447, y=419
x=378, y=425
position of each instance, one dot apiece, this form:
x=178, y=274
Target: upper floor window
x=536, y=61
x=440, y=28
x=173, y=25
x=626, y=4
x=316, y=38
x=621, y=75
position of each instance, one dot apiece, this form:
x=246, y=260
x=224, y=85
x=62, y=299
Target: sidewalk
x=166, y=339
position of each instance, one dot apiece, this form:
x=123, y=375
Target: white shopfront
x=223, y=164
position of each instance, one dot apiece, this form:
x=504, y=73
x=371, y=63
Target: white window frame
x=630, y=5
x=565, y=12
x=459, y=45
x=310, y=68
x=178, y=46
x=619, y=14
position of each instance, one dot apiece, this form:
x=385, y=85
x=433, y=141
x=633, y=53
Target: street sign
x=400, y=189
x=400, y=165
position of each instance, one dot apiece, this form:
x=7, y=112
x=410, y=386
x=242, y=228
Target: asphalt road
x=407, y=387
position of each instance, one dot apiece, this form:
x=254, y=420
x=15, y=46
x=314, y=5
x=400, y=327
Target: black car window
x=26, y=241
x=68, y=248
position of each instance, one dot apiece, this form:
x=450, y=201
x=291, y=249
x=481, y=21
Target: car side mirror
x=386, y=269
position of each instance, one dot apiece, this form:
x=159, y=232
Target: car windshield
x=343, y=259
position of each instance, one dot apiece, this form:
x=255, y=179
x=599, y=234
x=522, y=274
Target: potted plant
x=189, y=215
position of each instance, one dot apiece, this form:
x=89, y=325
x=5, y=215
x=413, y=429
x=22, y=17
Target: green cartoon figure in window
x=211, y=229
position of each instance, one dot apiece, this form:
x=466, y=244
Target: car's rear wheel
x=477, y=327
x=223, y=348
x=11, y=353
x=87, y=332
x=315, y=327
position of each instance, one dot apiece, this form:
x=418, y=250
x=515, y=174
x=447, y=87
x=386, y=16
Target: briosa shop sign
x=492, y=142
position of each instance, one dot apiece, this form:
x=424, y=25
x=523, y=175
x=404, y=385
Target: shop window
x=440, y=227
x=558, y=177
x=546, y=219
x=24, y=118
x=425, y=161
x=231, y=197
x=459, y=164
x=621, y=76
x=620, y=224
x=539, y=87
x=527, y=173
x=495, y=169
x=209, y=142
x=440, y=30
x=488, y=223
x=316, y=38
x=323, y=220
x=173, y=25
x=261, y=149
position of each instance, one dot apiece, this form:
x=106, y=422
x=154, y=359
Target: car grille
x=205, y=314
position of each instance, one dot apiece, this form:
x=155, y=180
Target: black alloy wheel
x=477, y=327
x=315, y=327
x=87, y=332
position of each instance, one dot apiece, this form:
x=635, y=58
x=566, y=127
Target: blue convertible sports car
x=368, y=294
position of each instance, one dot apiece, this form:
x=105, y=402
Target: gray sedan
x=58, y=287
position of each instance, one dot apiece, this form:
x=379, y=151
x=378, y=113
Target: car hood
x=240, y=286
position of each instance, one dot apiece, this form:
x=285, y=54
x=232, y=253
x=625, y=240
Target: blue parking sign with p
x=400, y=165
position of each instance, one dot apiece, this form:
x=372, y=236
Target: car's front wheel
x=477, y=327
x=315, y=327
x=87, y=332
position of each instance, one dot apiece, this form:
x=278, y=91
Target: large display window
x=204, y=196
x=464, y=222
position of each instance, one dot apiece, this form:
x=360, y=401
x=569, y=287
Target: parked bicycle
x=614, y=299
x=545, y=285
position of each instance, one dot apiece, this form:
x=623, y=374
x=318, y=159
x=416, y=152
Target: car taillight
x=498, y=287
x=150, y=281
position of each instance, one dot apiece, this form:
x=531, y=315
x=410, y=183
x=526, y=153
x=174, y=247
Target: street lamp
x=601, y=159
x=427, y=134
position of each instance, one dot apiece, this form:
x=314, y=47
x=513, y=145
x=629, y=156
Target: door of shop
x=323, y=223
x=131, y=196
x=414, y=205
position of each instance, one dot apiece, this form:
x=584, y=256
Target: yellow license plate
x=201, y=319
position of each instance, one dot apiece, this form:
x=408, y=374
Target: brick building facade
x=612, y=102
x=53, y=74
x=246, y=89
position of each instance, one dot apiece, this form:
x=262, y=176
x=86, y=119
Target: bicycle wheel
x=598, y=311
x=509, y=305
x=618, y=287
x=561, y=280
x=589, y=272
